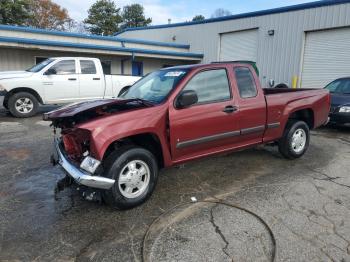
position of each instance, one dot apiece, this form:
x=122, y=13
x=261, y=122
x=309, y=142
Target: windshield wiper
x=142, y=101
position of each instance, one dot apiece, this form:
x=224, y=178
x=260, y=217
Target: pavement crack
x=328, y=178
x=219, y=232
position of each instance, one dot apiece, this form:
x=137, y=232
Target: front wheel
x=23, y=104
x=135, y=172
x=295, y=140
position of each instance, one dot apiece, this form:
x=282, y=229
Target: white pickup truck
x=59, y=80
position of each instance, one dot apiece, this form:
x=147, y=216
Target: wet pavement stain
x=15, y=154
x=306, y=203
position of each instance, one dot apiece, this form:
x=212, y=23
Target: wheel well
x=22, y=89
x=148, y=141
x=306, y=115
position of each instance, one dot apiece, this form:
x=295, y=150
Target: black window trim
x=256, y=88
x=208, y=102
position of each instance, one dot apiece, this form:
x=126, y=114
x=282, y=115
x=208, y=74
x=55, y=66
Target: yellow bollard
x=294, y=81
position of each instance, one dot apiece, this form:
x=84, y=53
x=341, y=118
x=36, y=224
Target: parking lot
x=305, y=202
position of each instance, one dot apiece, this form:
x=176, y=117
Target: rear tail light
x=71, y=146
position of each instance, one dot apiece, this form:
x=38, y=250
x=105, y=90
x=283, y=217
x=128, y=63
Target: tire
x=297, y=132
x=28, y=108
x=117, y=167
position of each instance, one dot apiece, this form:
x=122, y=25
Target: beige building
x=22, y=47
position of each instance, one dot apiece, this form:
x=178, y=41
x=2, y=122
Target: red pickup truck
x=175, y=115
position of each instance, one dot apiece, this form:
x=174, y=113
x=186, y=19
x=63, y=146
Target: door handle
x=230, y=109
x=96, y=78
x=72, y=79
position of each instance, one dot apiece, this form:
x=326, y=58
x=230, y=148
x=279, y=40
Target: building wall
x=279, y=57
x=21, y=59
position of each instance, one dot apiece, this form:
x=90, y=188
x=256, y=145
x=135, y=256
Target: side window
x=66, y=67
x=335, y=86
x=346, y=88
x=245, y=82
x=87, y=67
x=210, y=86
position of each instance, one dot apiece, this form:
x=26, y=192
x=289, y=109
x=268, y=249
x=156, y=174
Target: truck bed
x=281, y=103
x=271, y=91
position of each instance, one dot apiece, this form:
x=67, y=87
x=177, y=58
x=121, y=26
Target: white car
x=59, y=80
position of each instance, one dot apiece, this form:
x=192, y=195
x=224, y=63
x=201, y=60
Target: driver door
x=61, y=82
x=211, y=125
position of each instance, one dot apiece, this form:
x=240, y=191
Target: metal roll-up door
x=242, y=45
x=326, y=57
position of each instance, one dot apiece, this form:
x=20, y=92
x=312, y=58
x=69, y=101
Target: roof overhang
x=105, y=49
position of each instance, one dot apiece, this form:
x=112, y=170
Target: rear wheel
x=135, y=172
x=295, y=140
x=23, y=104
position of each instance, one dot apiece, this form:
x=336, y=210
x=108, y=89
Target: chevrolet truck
x=178, y=114
x=59, y=80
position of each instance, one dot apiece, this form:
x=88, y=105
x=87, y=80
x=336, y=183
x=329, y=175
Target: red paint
x=269, y=106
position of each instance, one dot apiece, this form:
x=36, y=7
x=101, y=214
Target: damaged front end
x=75, y=150
x=79, y=173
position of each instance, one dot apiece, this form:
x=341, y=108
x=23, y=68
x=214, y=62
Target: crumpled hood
x=72, y=114
x=15, y=74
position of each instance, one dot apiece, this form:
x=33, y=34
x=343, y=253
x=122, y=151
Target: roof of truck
x=213, y=64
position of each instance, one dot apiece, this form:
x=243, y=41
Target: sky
x=180, y=10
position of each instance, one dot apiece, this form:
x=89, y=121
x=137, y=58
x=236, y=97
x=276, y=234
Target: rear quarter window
x=245, y=82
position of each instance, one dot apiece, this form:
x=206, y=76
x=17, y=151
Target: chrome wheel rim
x=299, y=140
x=24, y=105
x=134, y=179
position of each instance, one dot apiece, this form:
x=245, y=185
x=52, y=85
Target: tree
x=133, y=16
x=103, y=18
x=49, y=15
x=14, y=12
x=220, y=12
x=198, y=18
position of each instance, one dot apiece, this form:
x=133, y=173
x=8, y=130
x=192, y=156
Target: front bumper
x=80, y=176
x=341, y=118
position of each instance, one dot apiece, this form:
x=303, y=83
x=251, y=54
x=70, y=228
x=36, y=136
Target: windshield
x=156, y=86
x=341, y=86
x=38, y=67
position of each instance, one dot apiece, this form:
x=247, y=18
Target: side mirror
x=186, y=99
x=124, y=90
x=50, y=71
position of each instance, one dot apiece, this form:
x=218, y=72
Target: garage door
x=239, y=45
x=326, y=57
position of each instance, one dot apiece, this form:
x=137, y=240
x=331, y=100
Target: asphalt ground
x=305, y=202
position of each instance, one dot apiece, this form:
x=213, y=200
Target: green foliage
x=133, y=16
x=198, y=18
x=14, y=12
x=103, y=18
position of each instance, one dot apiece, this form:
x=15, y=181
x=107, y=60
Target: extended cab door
x=211, y=125
x=91, y=79
x=252, y=105
x=61, y=82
